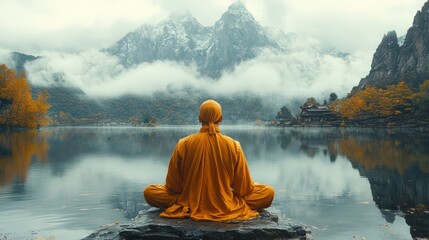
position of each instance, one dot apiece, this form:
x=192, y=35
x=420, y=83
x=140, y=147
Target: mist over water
x=66, y=182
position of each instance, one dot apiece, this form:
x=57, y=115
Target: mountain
x=20, y=59
x=234, y=38
x=394, y=61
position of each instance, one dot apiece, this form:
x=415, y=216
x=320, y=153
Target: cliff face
x=409, y=62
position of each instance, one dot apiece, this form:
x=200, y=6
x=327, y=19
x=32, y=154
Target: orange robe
x=208, y=179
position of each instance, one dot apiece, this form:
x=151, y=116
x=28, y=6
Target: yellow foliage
x=23, y=111
x=19, y=148
x=382, y=153
x=371, y=101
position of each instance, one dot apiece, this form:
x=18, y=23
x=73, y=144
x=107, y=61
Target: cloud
x=5, y=57
x=62, y=25
x=345, y=24
x=31, y=26
x=299, y=72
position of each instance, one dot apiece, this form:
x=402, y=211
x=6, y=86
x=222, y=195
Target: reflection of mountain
x=16, y=153
x=68, y=145
x=396, y=167
x=398, y=171
x=407, y=192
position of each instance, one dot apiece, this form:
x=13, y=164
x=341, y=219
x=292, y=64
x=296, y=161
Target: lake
x=66, y=182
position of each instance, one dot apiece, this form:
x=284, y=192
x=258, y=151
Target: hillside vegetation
x=18, y=109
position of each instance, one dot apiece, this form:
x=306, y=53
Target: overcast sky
x=74, y=25
x=69, y=34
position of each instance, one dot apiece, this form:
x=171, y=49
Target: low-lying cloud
x=301, y=72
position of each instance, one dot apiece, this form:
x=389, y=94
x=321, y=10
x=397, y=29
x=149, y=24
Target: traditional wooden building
x=317, y=113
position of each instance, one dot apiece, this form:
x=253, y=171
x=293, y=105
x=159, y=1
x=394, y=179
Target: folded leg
x=157, y=196
x=261, y=197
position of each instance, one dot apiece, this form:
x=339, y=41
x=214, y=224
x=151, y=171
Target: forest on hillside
x=396, y=100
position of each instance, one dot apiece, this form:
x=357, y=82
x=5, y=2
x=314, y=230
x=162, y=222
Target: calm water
x=63, y=183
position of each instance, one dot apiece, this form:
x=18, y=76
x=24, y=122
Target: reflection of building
x=317, y=113
x=312, y=144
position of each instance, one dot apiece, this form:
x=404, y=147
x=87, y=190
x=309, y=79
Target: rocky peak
x=384, y=63
x=182, y=18
x=20, y=59
x=234, y=38
x=407, y=62
x=422, y=17
x=237, y=37
x=414, y=54
x=237, y=12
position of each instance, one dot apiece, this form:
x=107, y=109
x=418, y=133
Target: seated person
x=208, y=177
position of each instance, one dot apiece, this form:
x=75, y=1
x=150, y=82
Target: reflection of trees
x=397, y=169
x=396, y=165
x=314, y=141
x=69, y=145
x=394, y=153
x=284, y=140
x=17, y=150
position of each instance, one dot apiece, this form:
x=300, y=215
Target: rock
x=409, y=62
x=149, y=225
x=385, y=62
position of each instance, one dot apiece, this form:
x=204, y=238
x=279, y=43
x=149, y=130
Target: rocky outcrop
x=150, y=226
x=384, y=67
x=20, y=59
x=409, y=62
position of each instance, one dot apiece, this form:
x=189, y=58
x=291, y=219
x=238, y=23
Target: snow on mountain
x=179, y=52
x=234, y=38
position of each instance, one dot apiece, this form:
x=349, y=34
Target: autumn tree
x=398, y=99
x=376, y=102
x=351, y=107
x=23, y=111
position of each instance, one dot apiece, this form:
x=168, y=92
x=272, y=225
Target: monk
x=208, y=177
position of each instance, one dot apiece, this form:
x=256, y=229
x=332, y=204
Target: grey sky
x=62, y=25
x=69, y=33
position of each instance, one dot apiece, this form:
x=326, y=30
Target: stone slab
x=149, y=225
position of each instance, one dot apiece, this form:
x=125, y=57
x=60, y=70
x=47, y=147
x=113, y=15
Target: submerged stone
x=149, y=225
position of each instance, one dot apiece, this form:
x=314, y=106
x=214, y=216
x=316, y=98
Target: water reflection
x=395, y=164
x=17, y=150
x=93, y=176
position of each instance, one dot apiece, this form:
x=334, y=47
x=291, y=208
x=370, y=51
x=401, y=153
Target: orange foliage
x=382, y=153
x=24, y=111
x=371, y=101
x=17, y=151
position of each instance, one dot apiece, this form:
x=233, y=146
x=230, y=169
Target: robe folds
x=208, y=179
